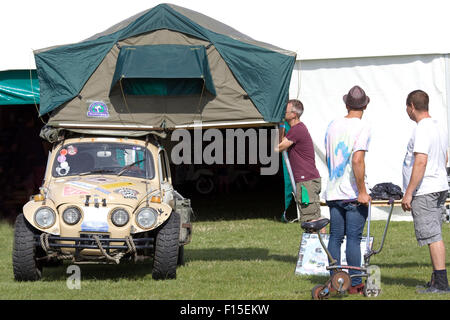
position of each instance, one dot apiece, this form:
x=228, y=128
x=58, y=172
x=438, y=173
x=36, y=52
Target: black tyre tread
x=166, y=249
x=25, y=266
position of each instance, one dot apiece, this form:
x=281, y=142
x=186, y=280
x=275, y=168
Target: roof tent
x=167, y=67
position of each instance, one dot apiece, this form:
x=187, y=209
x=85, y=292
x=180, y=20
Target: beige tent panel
x=231, y=104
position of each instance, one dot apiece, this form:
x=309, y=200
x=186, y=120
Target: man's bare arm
x=418, y=171
x=285, y=143
x=359, y=170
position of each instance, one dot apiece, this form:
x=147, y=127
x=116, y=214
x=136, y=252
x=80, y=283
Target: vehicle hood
x=99, y=188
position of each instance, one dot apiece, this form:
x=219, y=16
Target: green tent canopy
x=150, y=70
x=19, y=87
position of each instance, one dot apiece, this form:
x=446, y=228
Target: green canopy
x=19, y=87
x=248, y=81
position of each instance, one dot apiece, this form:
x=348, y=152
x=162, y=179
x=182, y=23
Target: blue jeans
x=347, y=219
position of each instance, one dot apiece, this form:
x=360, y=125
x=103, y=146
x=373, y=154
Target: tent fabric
x=263, y=72
x=19, y=87
x=174, y=62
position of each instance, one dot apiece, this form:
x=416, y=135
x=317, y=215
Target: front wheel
x=25, y=265
x=320, y=292
x=166, y=249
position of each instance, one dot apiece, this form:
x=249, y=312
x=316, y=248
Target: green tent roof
x=262, y=70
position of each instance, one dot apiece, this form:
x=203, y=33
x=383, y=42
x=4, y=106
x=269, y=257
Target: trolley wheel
x=320, y=292
x=371, y=293
x=341, y=281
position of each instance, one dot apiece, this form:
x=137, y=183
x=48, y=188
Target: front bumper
x=87, y=241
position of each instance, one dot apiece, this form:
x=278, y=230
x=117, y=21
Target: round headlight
x=146, y=217
x=119, y=217
x=72, y=216
x=45, y=217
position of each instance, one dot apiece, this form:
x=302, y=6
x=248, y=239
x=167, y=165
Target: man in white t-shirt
x=425, y=185
x=346, y=142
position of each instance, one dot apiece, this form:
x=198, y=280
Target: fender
x=164, y=211
x=32, y=206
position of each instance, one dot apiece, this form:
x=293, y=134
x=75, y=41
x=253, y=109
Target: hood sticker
x=127, y=193
x=100, y=180
x=81, y=184
x=70, y=191
x=87, y=186
x=102, y=190
x=116, y=185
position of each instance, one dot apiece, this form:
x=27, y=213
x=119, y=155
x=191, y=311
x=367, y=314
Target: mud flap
x=184, y=209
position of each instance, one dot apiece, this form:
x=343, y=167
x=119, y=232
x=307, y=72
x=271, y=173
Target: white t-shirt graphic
x=344, y=136
x=431, y=139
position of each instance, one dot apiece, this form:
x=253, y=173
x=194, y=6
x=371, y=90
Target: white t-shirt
x=431, y=139
x=344, y=136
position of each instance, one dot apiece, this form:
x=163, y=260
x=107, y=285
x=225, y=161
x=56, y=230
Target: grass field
x=250, y=259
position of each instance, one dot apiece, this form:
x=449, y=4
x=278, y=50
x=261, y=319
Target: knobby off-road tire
x=25, y=265
x=166, y=249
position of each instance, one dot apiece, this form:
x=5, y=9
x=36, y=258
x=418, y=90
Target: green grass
x=229, y=259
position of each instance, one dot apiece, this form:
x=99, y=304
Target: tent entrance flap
x=163, y=70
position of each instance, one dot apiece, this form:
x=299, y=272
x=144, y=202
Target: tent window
x=162, y=87
x=163, y=70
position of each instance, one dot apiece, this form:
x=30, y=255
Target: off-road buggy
x=103, y=200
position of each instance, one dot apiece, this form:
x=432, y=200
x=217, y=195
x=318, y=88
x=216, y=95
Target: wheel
x=25, y=265
x=341, y=281
x=180, y=260
x=320, y=292
x=204, y=185
x=166, y=249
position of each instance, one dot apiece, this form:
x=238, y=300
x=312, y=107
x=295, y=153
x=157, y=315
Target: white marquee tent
x=387, y=47
x=387, y=81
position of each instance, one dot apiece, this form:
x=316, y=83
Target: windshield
x=103, y=158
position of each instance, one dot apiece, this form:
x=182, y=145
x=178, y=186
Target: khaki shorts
x=309, y=211
x=427, y=211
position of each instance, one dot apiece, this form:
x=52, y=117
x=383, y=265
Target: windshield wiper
x=96, y=171
x=127, y=167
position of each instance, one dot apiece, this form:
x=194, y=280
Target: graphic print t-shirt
x=344, y=136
